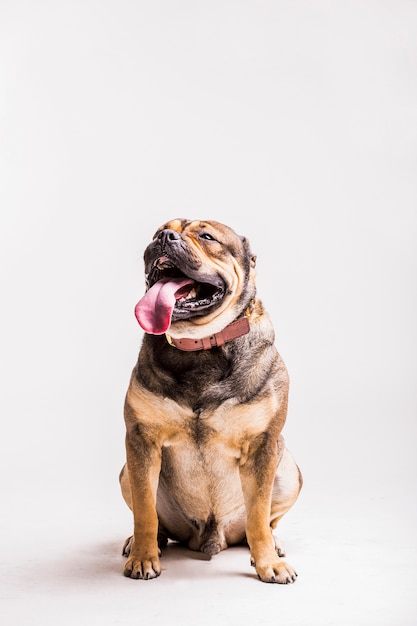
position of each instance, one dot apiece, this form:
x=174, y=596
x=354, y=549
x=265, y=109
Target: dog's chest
x=200, y=465
x=227, y=429
x=228, y=426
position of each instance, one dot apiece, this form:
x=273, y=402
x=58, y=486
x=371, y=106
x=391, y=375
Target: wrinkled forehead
x=194, y=228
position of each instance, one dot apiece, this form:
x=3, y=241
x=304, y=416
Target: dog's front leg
x=144, y=464
x=257, y=477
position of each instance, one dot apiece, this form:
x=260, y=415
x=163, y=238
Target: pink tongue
x=154, y=310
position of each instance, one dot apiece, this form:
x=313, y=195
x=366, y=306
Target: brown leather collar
x=234, y=330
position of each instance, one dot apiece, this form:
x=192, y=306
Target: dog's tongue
x=154, y=310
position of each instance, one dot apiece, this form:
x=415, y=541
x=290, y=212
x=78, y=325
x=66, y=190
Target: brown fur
x=206, y=461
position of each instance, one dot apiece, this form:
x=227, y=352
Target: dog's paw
x=277, y=572
x=145, y=569
x=128, y=544
x=211, y=547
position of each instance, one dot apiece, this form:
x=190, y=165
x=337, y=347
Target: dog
x=206, y=463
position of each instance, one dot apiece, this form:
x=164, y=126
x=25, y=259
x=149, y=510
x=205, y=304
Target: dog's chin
x=197, y=327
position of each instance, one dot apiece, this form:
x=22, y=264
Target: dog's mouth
x=174, y=295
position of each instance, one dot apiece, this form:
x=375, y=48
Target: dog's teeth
x=190, y=296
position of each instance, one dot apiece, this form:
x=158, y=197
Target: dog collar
x=232, y=331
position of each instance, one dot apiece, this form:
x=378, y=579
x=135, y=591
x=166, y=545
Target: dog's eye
x=207, y=237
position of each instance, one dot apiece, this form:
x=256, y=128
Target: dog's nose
x=167, y=236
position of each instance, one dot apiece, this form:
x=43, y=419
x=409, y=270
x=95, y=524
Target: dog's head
x=199, y=276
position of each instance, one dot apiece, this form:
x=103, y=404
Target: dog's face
x=199, y=277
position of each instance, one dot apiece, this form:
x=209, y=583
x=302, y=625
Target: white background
x=296, y=124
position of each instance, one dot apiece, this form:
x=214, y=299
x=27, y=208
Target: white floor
x=354, y=569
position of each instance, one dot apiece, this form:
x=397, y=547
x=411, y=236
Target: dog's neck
x=235, y=329
x=232, y=331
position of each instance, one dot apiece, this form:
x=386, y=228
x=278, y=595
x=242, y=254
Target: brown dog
x=206, y=462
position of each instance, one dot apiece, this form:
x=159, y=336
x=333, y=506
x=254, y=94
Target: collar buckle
x=169, y=339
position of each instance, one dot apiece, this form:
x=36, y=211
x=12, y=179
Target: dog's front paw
x=277, y=571
x=144, y=569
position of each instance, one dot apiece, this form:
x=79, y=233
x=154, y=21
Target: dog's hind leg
x=287, y=485
x=125, y=486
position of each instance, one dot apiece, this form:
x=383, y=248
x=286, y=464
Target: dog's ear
x=249, y=256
